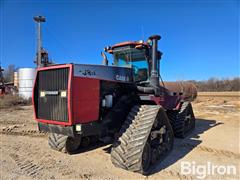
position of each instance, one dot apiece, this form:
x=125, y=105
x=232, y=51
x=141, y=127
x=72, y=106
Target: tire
x=138, y=139
x=183, y=120
x=63, y=143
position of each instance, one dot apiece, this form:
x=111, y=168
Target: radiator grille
x=51, y=106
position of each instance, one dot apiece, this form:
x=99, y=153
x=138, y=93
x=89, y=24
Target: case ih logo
x=122, y=78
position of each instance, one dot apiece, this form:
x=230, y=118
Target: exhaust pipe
x=154, y=75
x=154, y=79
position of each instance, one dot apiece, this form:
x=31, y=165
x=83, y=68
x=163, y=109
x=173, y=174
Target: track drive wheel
x=183, y=121
x=64, y=143
x=145, y=138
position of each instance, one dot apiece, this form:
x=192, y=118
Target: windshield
x=135, y=59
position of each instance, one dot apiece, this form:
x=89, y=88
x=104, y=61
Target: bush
x=8, y=101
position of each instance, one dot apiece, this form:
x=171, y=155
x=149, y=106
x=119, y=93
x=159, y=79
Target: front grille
x=50, y=104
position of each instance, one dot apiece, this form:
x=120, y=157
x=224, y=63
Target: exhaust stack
x=154, y=79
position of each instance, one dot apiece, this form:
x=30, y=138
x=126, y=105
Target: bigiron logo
x=203, y=170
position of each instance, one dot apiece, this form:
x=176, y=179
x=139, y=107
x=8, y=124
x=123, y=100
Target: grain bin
x=15, y=79
x=26, y=78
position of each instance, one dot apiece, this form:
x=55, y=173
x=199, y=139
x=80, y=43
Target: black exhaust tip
x=157, y=37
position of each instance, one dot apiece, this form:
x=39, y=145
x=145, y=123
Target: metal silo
x=15, y=79
x=26, y=81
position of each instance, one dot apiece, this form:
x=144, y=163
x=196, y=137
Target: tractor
x=123, y=104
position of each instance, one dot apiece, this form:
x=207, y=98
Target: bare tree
x=215, y=84
x=9, y=73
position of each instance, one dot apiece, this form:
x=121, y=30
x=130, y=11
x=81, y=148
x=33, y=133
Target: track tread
x=127, y=151
x=177, y=117
x=57, y=142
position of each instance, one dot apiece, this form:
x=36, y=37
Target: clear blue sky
x=200, y=39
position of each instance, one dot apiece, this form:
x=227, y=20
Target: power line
x=58, y=42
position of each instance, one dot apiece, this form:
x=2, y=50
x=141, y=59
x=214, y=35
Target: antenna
x=142, y=31
x=39, y=20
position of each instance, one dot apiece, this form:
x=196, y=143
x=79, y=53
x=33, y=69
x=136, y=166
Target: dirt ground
x=25, y=153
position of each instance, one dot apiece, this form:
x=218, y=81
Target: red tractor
x=123, y=104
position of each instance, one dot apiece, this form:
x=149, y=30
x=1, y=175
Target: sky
x=200, y=38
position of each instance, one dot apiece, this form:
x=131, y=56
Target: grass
x=220, y=94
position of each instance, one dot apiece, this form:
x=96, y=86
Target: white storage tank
x=26, y=77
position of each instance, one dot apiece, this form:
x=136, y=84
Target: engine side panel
x=107, y=73
x=85, y=100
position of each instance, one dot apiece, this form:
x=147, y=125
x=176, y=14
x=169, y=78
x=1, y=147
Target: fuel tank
x=187, y=89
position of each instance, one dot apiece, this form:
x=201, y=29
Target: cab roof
x=132, y=44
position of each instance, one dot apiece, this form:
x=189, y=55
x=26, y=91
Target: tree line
x=217, y=85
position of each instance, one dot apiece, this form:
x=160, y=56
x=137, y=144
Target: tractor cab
x=136, y=55
x=143, y=58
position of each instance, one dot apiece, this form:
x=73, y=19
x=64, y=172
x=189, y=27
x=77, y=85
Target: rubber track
x=177, y=120
x=172, y=116
x=127, y=151
x=57, y=142
x=179, y=123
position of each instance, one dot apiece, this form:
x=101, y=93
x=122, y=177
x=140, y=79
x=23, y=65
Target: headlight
x=42, y=94
x=63, y=93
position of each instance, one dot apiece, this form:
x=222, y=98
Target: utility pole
x=39, y=20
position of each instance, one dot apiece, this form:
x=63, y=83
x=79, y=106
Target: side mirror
x=159, y=55
x=105, y=60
